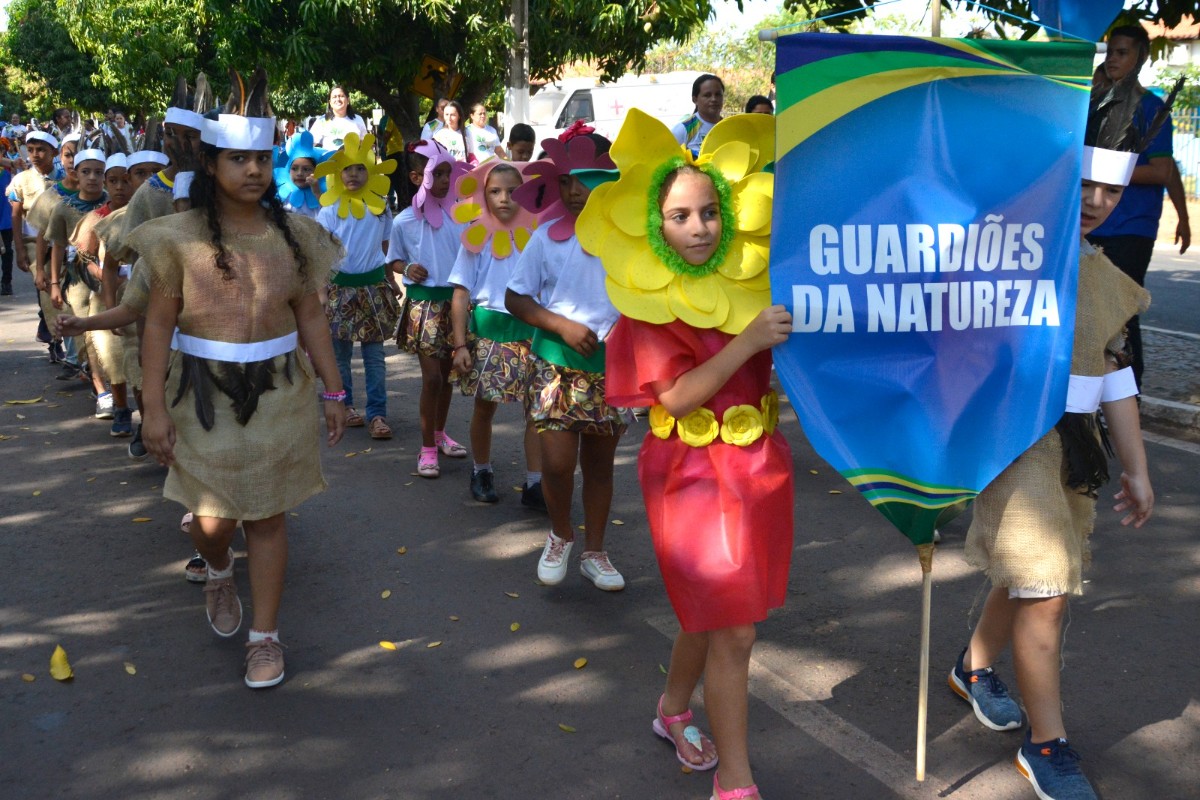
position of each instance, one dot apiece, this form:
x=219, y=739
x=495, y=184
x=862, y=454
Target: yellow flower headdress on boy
x=482, y=227
x=373, y=194
x=622, y=224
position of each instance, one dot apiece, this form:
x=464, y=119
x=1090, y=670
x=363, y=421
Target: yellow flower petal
x=744, y=305
x=756, y=131
x=467, y=185
x=60, y=667
x=741, y=425
x=748, y=258
x=465, y=212
x=643, y=140
x=661, y=422
x=476, y=235
x=733, y=160
x=699, y=428
x=379, y=185
x=752, y=197
x=521, y=237
x=502, y=245
x=646, y=306
x=626, y=201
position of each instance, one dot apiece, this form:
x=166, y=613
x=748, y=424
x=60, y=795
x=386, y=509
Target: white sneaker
x=596, y=567
x=104, y=406
x=552, y=567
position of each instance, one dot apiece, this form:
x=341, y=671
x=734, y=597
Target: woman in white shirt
x=483, y=142
x=330, y=131
x=452, y=136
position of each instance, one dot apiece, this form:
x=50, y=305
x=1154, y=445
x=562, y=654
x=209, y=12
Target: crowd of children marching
x=230, y=273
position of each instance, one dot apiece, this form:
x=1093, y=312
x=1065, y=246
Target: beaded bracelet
x=460, y=347
x=339, y=397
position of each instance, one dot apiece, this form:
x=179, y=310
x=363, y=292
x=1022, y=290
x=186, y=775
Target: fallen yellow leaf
x=37, y=492
x=60, y=668
x=617, y=522
x=22, y=416
x=4, y=438
x=388, y=645
x=364, y=452
x=513, y=595
x=141, y=519
x=518, y=488
x=410, y=483
x=89, y=480
x=580, y=663
x=662, y=669
x=385, y=594
x=431, y=645
x=835, y=491
x=581, y=527
x=293, y=514
x=814, y=472
x=453, y=618
x=28, y=678
x=52, y=405
x=37, y=399
x=130, y=668
x=685, y=769
x=516, y=626
x=565, y=728
x=401, y=550
x=350, y=455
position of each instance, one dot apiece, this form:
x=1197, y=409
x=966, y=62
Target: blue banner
x=926, y=242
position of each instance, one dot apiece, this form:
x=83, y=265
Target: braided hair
x=204, y=197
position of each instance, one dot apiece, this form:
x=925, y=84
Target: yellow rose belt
x=740, y=425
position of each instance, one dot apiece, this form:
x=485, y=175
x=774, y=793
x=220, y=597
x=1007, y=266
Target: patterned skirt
x=425, y=328
x=362, y=313
x=501, y=371
x=565, y=399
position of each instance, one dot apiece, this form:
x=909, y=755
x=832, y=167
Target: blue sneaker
x=987, y=694
x=122, y=423
x=1053, y=769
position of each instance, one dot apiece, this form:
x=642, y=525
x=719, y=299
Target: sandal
x=732, y=794
x=379, y=429
x=353, y=418
x=662, y=726
x=196, y=569
x=449, y=447
x=427, y=463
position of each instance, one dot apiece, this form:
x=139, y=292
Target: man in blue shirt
x=6, y=239
x=1128, y=235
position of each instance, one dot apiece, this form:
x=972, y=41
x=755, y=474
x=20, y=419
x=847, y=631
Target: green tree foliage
x=1189, y=96
x=41, y=46
x=139, y=46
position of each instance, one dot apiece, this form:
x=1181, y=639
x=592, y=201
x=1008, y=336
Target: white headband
x=90, y=155
x=147, y=157
x=116, y=160
x=1114, y=167
x=71, y=137
x=235, y=132
x=181, y=116
x=38, y=136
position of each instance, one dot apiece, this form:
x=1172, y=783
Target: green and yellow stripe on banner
x=908, y=502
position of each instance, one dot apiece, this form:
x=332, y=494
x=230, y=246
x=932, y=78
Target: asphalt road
x=157, y=708
x=1174, y=284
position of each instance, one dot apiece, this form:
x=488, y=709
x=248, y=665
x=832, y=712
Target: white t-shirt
x=330, y=133
x=484, y=276
x=679, y=131
x=569, y=281
x=414, y=241
x=452, y=141
x=363, y=238
x=482, y=142
x=430, y=128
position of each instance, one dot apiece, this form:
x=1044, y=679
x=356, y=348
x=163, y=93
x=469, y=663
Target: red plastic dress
x=720, y=515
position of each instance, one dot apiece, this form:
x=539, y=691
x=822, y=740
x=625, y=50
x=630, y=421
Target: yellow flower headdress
x=373, y=194
x=622, y=225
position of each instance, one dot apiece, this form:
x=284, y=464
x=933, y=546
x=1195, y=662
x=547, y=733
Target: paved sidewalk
x=1171, y=341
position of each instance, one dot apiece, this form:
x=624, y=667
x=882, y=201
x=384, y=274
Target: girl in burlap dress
x=228, y=392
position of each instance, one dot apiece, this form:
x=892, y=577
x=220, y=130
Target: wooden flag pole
x=925, y=554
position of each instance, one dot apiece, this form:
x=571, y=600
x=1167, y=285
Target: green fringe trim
x=654, y=235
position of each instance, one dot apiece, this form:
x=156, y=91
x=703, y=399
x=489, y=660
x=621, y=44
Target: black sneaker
x=56, y=352
x=5, y=290
x=483, y=487
x=69, y=372
x=531, y=497
x=137, y=450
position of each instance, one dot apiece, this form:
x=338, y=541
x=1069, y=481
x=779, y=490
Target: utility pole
x=516, y=94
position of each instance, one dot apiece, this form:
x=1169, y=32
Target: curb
x=1170, y=412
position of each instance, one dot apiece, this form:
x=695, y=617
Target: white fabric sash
x=1083, y=394
x=232, y=351
x=1119, y=385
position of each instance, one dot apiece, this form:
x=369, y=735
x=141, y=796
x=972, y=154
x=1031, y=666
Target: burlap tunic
x=272, y=463
x=1030, y=530
x=153, y=199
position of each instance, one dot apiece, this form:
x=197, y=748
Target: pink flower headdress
x=505, y=238
x=427, y=207
x=572, y=150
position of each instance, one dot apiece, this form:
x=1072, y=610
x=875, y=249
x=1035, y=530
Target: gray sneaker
x=223, y=606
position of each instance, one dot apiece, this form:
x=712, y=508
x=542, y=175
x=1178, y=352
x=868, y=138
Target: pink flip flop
x=662, y=727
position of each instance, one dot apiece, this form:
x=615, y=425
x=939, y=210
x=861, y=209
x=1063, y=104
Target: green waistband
x=550, y=347
x=419, y=291
x=356, y=279
x=500, y=327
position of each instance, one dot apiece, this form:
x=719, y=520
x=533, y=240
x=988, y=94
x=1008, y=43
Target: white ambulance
x=666, y=96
